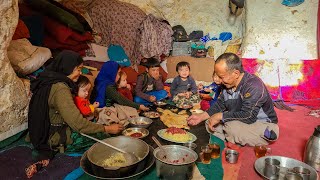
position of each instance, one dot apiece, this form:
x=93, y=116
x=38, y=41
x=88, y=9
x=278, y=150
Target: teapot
x=312, y=150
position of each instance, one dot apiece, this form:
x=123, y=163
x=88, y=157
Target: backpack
x=179, y=34
x=116, y=53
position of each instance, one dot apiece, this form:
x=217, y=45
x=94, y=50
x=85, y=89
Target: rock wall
x=209, y=16
x=13, y=97
x=275, y=31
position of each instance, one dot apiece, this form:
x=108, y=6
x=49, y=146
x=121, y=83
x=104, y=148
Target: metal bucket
x=175, y=162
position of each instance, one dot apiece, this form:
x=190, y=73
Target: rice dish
x=177, y=134
x=115, y=160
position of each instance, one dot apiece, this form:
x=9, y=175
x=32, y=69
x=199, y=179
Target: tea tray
x=285, y=164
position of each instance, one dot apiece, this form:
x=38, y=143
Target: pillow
x=58, y=13
x=26, y=58
x=116, y=53
x=96, y=53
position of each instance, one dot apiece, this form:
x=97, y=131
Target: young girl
x=209, y=94
x=183, y=88
x=123, y=87
x=81, y=101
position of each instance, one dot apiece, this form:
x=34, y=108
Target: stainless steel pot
x=175, y=162
x=99, y=152
x=312, y=150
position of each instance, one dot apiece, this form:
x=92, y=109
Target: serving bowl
x=98, y=153
x=160, y=103
x=142, y=122
x=136, y=132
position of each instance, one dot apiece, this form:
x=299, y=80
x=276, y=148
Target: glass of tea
x=261, y=150
x=206, y=154
x=215, y=147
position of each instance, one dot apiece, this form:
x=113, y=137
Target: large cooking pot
x=98, y=153
x=175, y=162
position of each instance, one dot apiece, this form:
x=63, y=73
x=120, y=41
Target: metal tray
x=285, y=164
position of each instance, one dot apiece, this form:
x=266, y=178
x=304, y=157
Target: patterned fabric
x=118, y=23
x=155, y=37
x=79, y=6
x=181, y=100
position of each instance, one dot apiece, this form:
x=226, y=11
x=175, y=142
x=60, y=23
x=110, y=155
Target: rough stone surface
x=275, y=31
x=209, y=16
x=13, y=97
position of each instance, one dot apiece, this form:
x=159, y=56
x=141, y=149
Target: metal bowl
x=142, y=168
x=160, y=103
x=130, y=131
x=142, y=122
x=99, y=152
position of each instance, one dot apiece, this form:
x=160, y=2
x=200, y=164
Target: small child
x=183, y=88
x=81, y=101
x=149, y=86
x=123, y=87
x=209, y=94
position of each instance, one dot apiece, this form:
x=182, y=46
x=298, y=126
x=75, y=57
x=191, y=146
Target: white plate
x=162, y=131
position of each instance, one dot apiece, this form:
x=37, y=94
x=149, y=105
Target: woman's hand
x=113, y=128
x=143, y=108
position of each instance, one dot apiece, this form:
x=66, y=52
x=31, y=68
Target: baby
x=209, y=94
x=123, y=87
x=81, y=101
x=183, y=88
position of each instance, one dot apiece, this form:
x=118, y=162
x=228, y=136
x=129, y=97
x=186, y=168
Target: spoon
x=160, y=146
x=131, y=158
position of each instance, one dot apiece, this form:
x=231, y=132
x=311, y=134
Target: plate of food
x=176, y=135
x=160, y=103
x=171, y=119
x=152, y=114
x=196, y=111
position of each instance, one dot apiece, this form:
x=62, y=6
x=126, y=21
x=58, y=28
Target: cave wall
x=13, y=97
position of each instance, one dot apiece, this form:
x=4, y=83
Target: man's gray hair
x=233, y=62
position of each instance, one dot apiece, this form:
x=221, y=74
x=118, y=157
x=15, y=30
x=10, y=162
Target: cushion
x=26, y=58
x=96, y=53
x=58, y=13
x=22, y=31
x=116, y=53
x=201, y=68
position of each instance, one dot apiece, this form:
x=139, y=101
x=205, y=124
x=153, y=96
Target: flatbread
x=171, y=119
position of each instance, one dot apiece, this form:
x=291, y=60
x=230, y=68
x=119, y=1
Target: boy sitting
x=149, y=86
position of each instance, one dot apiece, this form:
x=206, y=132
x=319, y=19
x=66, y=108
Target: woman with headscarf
x=52, y=111
x=106, y=90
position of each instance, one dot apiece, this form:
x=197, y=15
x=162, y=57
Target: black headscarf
x=38, y=117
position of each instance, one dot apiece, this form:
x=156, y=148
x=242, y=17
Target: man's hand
x=214, y=120
x=152, y=98
x=196, y=119
x=113, y=128
x=143, y=108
